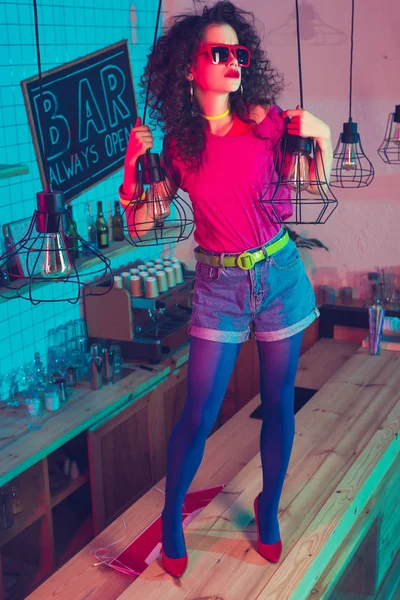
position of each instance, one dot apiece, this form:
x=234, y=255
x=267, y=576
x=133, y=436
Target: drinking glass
x=116, y=350
x=34, y=405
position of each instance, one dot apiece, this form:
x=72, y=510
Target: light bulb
x=299, y=171
x=159, y=206
x=55, y=262
x=396, y=133
x=349, y=160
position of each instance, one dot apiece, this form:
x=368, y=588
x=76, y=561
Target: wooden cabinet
x=120, y=462
x=127, y=452
x=46, y=531
x=121, y=458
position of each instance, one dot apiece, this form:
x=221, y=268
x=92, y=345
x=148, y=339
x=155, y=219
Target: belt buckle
x=245, y=256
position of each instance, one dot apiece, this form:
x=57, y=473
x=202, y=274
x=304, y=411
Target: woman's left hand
x=305, y=124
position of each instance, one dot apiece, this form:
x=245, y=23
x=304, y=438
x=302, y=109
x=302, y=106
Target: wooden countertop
x=341, y=370
x=346, y=441
x=21, y=448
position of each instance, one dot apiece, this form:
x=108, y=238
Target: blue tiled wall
x=68, y=29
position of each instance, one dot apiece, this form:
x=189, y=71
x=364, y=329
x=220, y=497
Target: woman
x=215, y=102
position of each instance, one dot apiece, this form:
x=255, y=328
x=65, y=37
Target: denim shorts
x=273, y=300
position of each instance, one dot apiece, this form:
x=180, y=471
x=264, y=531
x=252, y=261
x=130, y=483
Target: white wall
x=363, y=233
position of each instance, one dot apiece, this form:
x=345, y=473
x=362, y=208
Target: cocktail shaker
x=108, y=365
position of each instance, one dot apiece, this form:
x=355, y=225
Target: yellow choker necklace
x=225, y=114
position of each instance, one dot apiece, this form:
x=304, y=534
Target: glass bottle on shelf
x=71, y=236
x=101, y=227
x=110, y=221
x=4, y=277
x=118, y=228
x=91, y=226
x=14, y=266
x=39, y=376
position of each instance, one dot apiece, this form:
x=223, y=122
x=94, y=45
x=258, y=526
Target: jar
x=52, y=398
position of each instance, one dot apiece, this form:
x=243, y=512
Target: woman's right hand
x=140, y=140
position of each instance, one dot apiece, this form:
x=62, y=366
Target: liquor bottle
x=4, y=277
x=118, y=227
x=110, y=221
x=91, y=226
x=101, y=227
x=13, y=264
x=71, y=235
x=38, y=375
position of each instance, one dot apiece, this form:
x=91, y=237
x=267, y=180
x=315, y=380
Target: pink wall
x=364, y=232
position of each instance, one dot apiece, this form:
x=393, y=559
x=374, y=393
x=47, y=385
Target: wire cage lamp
x=351, y=167
x=294, y=195
x=44, y=254
x=389, y=150
x=158, y=214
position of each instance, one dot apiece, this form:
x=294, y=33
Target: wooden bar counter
x=340, y=498
x=339, y=513
x=230, y=447
x=119, y=430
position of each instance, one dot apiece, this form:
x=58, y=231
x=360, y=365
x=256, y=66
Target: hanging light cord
x=351, y=59
x=299, y=53
x=151, y=59
x=42, y=115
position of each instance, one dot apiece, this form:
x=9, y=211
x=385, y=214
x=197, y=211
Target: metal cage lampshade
x=389, y=150
x=160, y=216
x=287, y=199
x=352, y=168
x=44, y=254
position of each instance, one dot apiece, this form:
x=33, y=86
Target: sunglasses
x=219, y=53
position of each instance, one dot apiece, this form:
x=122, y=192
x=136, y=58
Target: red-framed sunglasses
x=219, y=53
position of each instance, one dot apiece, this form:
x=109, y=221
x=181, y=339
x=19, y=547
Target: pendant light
x=44, y=253
x=389, y=150
x=289, y=188
x=351, y=167
x=168, y=216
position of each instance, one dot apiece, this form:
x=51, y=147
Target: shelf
x=30, y=493
x=82, y=537
x=13, y=170
x=72, y=524
x=25, y=562
x=82, y=264
x=74, y=484
x=22, y=521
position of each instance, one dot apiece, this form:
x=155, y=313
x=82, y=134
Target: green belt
x=245, y=260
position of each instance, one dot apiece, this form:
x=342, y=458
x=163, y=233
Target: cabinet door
x=120, y=460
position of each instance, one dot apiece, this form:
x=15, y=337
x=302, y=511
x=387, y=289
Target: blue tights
x=209, y=369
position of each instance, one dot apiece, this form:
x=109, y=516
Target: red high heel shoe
x=174, y=566
x=271, y=552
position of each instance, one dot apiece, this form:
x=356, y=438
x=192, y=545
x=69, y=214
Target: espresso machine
x=145, y=328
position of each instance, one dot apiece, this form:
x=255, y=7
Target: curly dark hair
x=168, y=90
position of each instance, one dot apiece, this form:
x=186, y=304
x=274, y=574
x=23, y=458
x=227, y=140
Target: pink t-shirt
x=225, y=190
